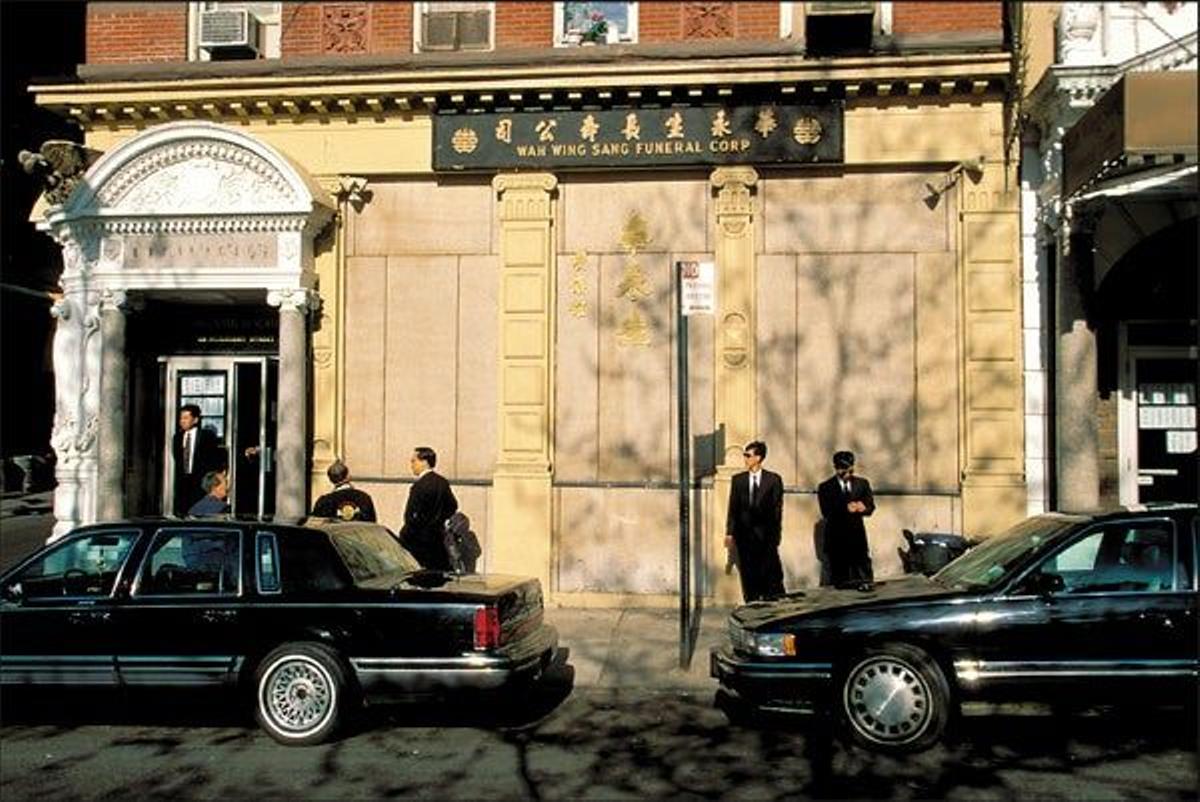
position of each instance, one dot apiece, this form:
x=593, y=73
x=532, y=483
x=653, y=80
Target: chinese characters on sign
x=764, y=133
x=634, y=286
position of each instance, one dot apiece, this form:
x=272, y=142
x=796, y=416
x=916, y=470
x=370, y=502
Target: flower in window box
x=597, y=28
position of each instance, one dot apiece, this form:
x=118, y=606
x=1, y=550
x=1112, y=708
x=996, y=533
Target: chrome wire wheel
x=297, y=696
x=888, y=701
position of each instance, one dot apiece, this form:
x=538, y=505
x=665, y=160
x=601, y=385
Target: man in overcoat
x=430, y=503
x=846, y=499
x=754, y=525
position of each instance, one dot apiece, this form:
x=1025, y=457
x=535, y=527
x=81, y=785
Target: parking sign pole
x=681, y=349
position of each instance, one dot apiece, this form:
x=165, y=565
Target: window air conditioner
x=229, y=32
x=828, y=8
x=456, y=30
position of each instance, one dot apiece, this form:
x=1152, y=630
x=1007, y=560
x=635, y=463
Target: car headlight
x=775, y=644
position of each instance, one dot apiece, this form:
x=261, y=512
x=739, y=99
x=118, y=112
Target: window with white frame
x=454, y=26
x=219, y=31
x=594, y=23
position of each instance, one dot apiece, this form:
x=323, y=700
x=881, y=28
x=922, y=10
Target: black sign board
x=759, y=134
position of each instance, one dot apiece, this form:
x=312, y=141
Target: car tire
x=300, y=693
x=894, y=698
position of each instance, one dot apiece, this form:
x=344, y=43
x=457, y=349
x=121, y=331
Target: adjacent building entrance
x=238, y=400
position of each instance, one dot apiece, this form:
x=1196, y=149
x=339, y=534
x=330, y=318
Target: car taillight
x=487, y=627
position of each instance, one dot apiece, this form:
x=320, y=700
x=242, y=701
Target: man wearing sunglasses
x=754, y=525
x=845, y=500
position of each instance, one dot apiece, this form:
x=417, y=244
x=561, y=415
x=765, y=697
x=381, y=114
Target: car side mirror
x=1045, y=585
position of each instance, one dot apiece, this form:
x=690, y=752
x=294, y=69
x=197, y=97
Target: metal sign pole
x=681, y=326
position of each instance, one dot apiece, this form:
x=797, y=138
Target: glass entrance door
x=237, y=400
x=1158, y=437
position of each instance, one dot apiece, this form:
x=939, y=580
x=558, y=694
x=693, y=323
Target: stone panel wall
x=421, y=330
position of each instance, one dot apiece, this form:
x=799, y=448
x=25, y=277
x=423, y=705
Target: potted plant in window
x=596, y=30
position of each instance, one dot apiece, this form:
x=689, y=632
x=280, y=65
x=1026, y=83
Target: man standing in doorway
x=196, y=452
x=430, y=503
x=754, y=525
x=845, y=500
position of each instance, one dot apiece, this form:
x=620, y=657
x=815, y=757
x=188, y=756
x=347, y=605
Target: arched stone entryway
x=182, y=208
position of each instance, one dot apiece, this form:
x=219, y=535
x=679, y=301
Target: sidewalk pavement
x=636, y=647
x=607, y=647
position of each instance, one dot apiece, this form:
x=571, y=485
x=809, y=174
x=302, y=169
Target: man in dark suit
x=197, y=452
x=430, y=503
x=754, y=525
x=346, y=502
x=845, y=500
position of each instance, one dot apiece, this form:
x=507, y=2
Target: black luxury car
x=312, y=619
x=1092, y=608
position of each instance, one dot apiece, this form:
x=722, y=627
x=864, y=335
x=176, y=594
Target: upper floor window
x=221, y=31
x=835, y=26
x=454, y=26
x=594, y=23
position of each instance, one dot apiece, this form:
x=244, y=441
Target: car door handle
x=90, y=617
x=218, y=616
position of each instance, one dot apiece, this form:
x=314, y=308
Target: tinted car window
x=1132, y=557
x=190, y=561
x=81, y=566
x=369, y=552
x=309, y=563
x=991, y=560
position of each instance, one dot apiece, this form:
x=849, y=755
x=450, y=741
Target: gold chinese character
x=632, y=129
x=504, y=130
x=807, y=131
x=634, y=330
x=579, y=308
x=589, y=128
x=674, y=125
x=545, y=130
x=635, y=235
x=634, y=284
x=720, y=124
x=766, y=122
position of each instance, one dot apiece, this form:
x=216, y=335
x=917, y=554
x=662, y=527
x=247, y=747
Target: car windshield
x=992, y=559
x=370, y=553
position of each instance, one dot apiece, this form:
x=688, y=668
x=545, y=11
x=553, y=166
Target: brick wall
x=524, y=24
x=300, y=29
x=937, y=17
x=673, y=22
x=136, y=32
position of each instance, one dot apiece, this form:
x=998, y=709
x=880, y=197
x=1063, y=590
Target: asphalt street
x=571, y=743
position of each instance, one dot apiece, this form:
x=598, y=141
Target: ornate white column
x=77, y=354
x=291, y=453
x=110, y=479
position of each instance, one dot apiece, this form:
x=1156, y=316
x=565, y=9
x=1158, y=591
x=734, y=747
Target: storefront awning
x=1146, y=120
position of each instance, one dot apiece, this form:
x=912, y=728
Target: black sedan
x=1096, y=608
x=312, y=620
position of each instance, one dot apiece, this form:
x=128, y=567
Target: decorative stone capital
x=300, y=300
x=525, y=196
x=115, y=301
x=734, y=187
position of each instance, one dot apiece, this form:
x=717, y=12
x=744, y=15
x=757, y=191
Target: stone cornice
x=386, y=93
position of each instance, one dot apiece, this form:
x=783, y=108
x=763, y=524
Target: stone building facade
x=342, y=249
x=1109, y=189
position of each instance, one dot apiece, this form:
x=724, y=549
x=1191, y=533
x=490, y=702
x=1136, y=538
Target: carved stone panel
x=345, y=28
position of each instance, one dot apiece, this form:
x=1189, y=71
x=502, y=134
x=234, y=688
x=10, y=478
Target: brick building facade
x=391, y=244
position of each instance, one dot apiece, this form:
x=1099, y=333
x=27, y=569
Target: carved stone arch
x=228, y=172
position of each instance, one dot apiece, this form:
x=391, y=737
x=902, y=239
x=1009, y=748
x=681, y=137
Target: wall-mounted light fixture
x=973, y=169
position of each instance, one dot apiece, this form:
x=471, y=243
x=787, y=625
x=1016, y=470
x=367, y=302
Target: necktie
x=846, y=487
x=187, y=451
x=753, y=488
